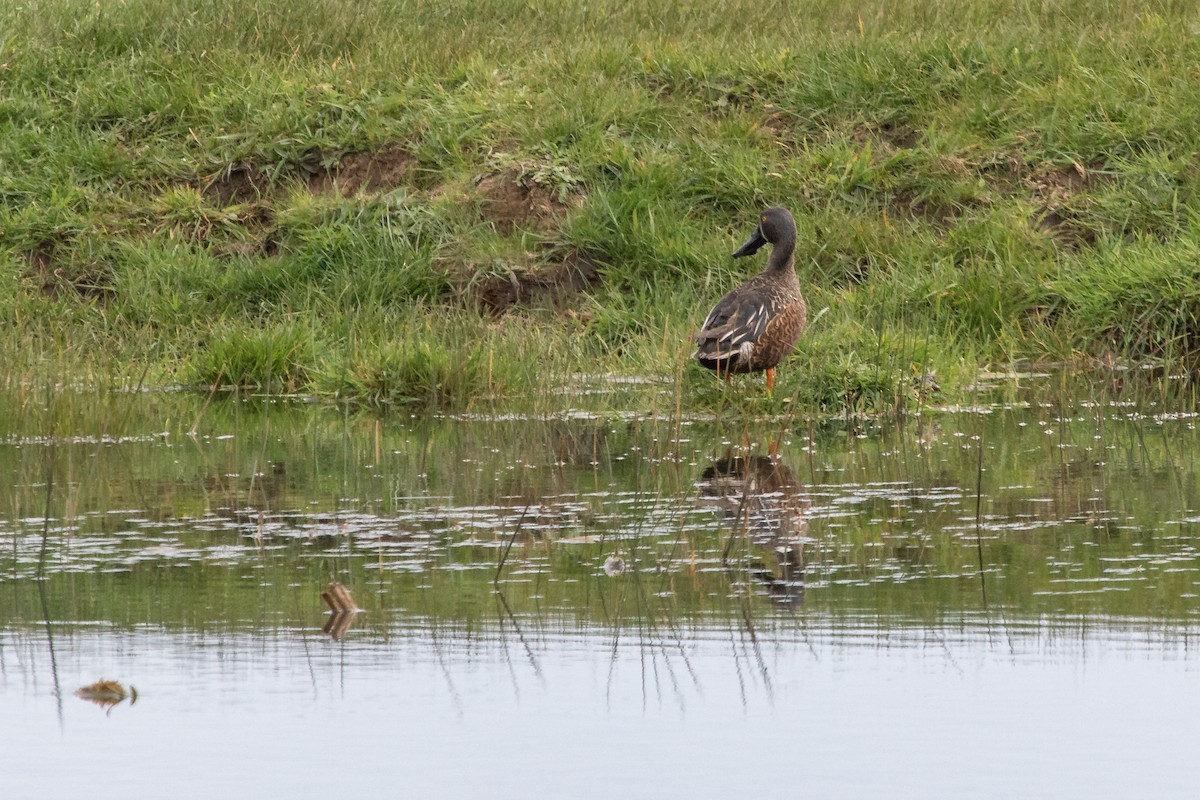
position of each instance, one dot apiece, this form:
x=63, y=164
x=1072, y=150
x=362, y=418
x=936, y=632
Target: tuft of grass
x=1134, y=301
x=275, y=360
x=416, y=376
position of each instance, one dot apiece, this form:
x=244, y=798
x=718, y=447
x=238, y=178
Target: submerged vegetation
x=459, y=204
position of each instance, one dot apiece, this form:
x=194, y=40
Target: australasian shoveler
x=753, y=327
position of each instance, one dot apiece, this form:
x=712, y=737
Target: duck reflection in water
x=767, y=506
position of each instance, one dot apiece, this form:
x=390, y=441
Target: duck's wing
x=736, y=320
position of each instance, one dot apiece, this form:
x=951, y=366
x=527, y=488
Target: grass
x=461, y=205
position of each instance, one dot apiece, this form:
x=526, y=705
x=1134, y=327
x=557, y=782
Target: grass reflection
x=1086, y=511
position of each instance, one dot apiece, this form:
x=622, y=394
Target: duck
x=755, y=325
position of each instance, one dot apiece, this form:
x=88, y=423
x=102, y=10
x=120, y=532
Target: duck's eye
x=763, y=218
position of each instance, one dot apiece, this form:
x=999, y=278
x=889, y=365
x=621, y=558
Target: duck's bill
x=752, y=244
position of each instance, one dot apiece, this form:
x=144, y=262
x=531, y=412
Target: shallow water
x=575, y=606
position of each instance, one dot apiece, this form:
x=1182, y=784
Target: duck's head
x=774, y=225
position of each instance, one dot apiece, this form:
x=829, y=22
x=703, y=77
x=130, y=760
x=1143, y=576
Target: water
x=582, y=606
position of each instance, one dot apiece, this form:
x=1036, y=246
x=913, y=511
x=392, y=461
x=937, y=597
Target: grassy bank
x=465, y=204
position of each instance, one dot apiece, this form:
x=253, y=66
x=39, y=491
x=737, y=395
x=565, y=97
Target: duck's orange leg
x=770, y=380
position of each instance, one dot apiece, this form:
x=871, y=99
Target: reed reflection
x=766, y=506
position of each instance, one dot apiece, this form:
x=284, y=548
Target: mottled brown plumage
x=753, y=327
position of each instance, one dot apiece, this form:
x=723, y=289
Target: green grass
x=462, y=205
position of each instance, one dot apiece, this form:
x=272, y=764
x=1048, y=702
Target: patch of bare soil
x=906, y=205
x=41, y=270
x=368, y=172
x=54, y=277
x=264, y=242
x=548, y=285
x=249, y=186
x=244, y=183
x=776, y=125
x=509, y=201
x=888, y=137
x=1056, y=191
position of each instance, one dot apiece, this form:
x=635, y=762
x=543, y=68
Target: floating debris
x=337, y=597
x=614, y=565
x=107, y=693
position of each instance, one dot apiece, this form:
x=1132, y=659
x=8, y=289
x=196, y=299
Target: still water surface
x=595, y=605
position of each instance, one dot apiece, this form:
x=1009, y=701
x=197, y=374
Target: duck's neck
x=782, y=258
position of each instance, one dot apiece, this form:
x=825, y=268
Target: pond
x=994, y=601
